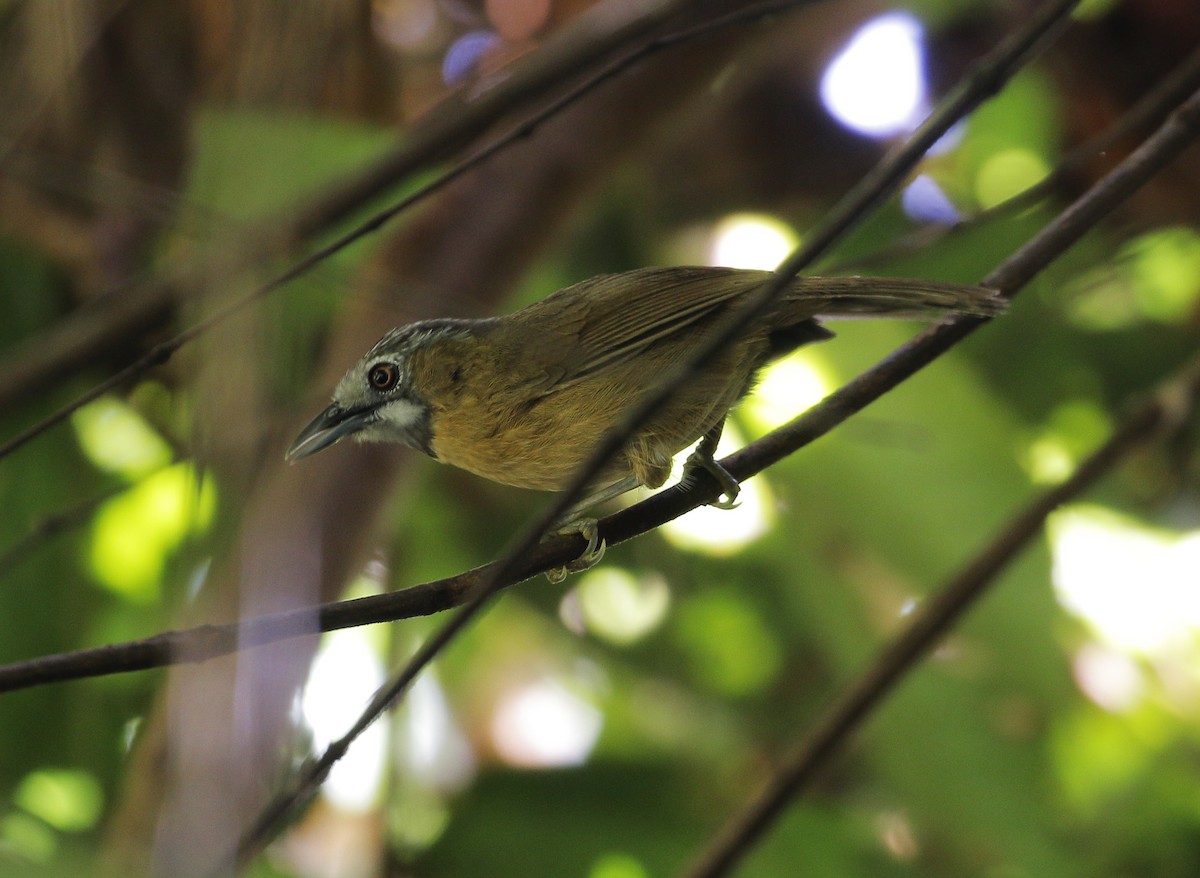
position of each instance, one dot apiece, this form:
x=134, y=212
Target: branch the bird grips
x=526, y=398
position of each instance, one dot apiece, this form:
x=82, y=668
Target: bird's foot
x=591, y=556
x=703, y=459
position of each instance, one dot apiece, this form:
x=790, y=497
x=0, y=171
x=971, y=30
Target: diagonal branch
x=986, y=79
x=1170, y=404
x=1173, y=401
x=51, y=526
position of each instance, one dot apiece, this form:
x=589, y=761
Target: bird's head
x=382, y=398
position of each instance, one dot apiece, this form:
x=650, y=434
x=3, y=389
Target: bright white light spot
x=787, y=389
x=1111, y=679
x=545, y=725
x=129, y=733
x=1138, y=588
x=432, y=746
x=344, y=676
x=620, y=607
x=876, y=84
x=723, y=532
x=748, y=240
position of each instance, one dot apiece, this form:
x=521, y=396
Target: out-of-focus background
x=149, y=155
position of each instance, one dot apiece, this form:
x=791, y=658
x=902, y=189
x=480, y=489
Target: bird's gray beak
x=327, y=428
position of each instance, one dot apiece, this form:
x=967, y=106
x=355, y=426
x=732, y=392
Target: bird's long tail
x=848, y=297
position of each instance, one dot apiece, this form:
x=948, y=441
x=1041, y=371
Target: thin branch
x=1148, y=111
x=1173, y=401
x=52, y=525
x=987, y=78
x=1169, y=405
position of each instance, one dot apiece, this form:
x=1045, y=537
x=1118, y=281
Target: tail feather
x=848, y=297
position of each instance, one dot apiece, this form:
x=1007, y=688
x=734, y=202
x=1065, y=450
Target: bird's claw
x=726, y=501
x=591, y=556
x=729, y=485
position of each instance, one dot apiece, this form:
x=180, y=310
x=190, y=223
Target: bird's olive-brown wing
x=604, y=323
x=659, y=315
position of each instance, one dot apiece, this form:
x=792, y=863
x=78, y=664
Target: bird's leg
x=574, y=522
x=616, y=489
x=702, y=458
x=591, y=555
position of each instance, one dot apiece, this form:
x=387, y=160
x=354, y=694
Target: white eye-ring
x=383, y=376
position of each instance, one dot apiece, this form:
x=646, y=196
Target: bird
x=523, y=399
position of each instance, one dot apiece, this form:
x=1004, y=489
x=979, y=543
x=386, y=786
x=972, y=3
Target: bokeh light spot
x=518, y=19
x=748, y=240
x=1073, y=430
x=1008, y=173
x=1135, y=586
x=66, y=799
x=723, y=532
x=787, y=389
x=1109, y=678
x=924, y=201
x=615, y=865
x=117, y=439
x=404, y=23
x=876, y=84
x=134, y=533
x=463, y=56
x=344, y=675
x=545, y=725
x=620, y=607
x=1165, y=265
x=28, y=838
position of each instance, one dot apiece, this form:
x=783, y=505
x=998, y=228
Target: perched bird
x=524, y=399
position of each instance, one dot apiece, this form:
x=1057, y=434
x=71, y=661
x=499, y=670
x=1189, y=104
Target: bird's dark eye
x=383, y=376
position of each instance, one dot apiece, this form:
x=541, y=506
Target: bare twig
x=987, y=78
x=51, y=526
x=948, y=605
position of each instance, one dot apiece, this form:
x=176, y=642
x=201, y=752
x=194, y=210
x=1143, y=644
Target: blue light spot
x=464, y=54
x=924, y=201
